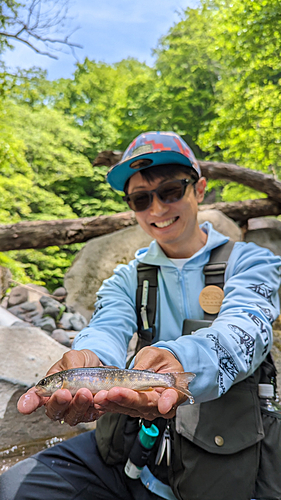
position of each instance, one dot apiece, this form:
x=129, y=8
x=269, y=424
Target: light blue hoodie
x=221, y=355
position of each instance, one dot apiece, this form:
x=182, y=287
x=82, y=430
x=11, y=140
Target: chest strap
x=146, y=299
x=214, y=271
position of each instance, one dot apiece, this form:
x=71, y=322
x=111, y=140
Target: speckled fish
x=104, y=378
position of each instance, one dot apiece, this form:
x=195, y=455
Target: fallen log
x=242, y=211
x=216, y=170
x=41, y=234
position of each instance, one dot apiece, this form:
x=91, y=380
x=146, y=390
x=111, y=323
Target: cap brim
x=122, y=171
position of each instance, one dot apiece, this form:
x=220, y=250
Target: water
x=16, y=453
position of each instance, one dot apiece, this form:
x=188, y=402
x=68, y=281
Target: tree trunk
x=241, y=211
x=41, y=234
x=216, y=170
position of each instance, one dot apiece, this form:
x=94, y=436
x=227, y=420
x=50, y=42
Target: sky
x=109, y=31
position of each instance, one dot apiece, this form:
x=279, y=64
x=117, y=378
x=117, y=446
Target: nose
x=158, y=207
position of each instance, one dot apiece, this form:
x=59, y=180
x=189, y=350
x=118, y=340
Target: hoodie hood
x=155, y=255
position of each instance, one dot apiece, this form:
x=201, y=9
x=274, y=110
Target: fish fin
x=181, y=383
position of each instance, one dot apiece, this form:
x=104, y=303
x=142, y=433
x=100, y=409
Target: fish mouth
x=41, y=391
x=165, y=223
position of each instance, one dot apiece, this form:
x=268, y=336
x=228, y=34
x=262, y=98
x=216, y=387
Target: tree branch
x=41, y=234
x=37, y=22
x=216, y=170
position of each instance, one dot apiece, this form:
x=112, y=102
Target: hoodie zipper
x=181, y=280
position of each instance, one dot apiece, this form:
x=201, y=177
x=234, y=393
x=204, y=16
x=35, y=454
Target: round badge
x=210, y=299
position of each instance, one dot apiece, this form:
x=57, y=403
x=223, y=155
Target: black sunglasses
x=168, y=192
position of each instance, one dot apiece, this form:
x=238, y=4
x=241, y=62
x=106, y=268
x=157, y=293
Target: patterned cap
x=148, y=150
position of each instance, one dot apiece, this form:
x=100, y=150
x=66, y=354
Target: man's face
x=174, y=225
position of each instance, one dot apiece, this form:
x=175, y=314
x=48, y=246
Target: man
x=163, y=185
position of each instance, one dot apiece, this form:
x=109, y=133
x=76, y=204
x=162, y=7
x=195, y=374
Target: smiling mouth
x=165, y=223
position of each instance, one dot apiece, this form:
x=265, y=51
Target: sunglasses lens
x=171, y=192
x=140, y=201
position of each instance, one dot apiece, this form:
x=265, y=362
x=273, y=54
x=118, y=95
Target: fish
x=104, y=378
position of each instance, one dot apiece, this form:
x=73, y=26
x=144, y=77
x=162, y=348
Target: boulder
x=59, y=293
x=47, y=324
x=26, y=293
x=61, y=336
x=51, y=307
x=5, y=277
x=26, y=356
x=276, y=351
x=96, y=261
x=6, y=317
x=221, y=223
x=265, y=232
x=99, y=257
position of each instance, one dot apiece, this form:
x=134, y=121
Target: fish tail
x=181, y=383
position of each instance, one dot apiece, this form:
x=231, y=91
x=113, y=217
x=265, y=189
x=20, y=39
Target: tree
x=247, y=128
x=189, y=74
x=38, y=24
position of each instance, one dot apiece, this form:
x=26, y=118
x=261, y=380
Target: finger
x=122, y=400
x=92, y=414
x=168, y=401
x=133, y=399
x=79, y=407
x=157, y=359
x=75, y=359
x=58, y=404
x=30, y=401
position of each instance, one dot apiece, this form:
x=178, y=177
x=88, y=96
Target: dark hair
x=164, y=172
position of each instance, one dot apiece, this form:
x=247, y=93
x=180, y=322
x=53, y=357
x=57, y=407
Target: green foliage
x=216, y=81
x=45, y=267
x=189, y=74
x=16, y=267
x=247, y=46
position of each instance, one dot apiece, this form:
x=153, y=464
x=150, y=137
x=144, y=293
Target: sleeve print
x=226, y=363
x=245, y=341
x=98, y=307
x=266, y=311
x=81, y=336
x=263, y=330
x=263, y=290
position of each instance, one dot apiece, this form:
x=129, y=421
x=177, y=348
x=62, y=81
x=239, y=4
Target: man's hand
x=61, y=405
x=146, y=404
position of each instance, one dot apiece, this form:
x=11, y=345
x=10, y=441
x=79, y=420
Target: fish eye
x=43, y=381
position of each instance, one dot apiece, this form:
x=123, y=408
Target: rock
x=99, y=257
x=276, y=353
x=72, y=321
x=60, y=294
x=6, y=317
x=96, y=261
x=5, y=277
x=27, y=311
x=47, y=324
x=26, y=356
x=61, y=336
x=5, y=301
x=29, y=306
x=24, y=293
x=77, y=322
x=51, y=306
x=221, y=223
x=64, y=322
x=22, y=324
x=265, y=232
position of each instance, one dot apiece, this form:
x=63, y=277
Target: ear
x=200, y=189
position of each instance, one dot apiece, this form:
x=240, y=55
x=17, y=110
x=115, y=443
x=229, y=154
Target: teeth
x=165, y=223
